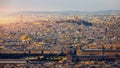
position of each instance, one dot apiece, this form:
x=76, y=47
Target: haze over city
x=59, y=34
x=58, y=5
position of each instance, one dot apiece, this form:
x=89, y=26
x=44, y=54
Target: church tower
x=79, y=50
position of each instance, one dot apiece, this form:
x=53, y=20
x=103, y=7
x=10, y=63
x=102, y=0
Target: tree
x=25, y=37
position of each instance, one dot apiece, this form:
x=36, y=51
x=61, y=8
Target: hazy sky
x=59, y=5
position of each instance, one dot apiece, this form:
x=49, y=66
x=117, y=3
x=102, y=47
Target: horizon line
x=65, y=10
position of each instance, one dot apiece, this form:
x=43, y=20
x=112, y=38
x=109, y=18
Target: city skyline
x=59, y=34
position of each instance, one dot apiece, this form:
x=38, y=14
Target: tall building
x=21, y=18
x=79, y=50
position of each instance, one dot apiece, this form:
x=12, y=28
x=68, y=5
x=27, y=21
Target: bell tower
x=79, y=50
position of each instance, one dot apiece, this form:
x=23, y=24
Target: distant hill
x=104, y=12
x=107, y=12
